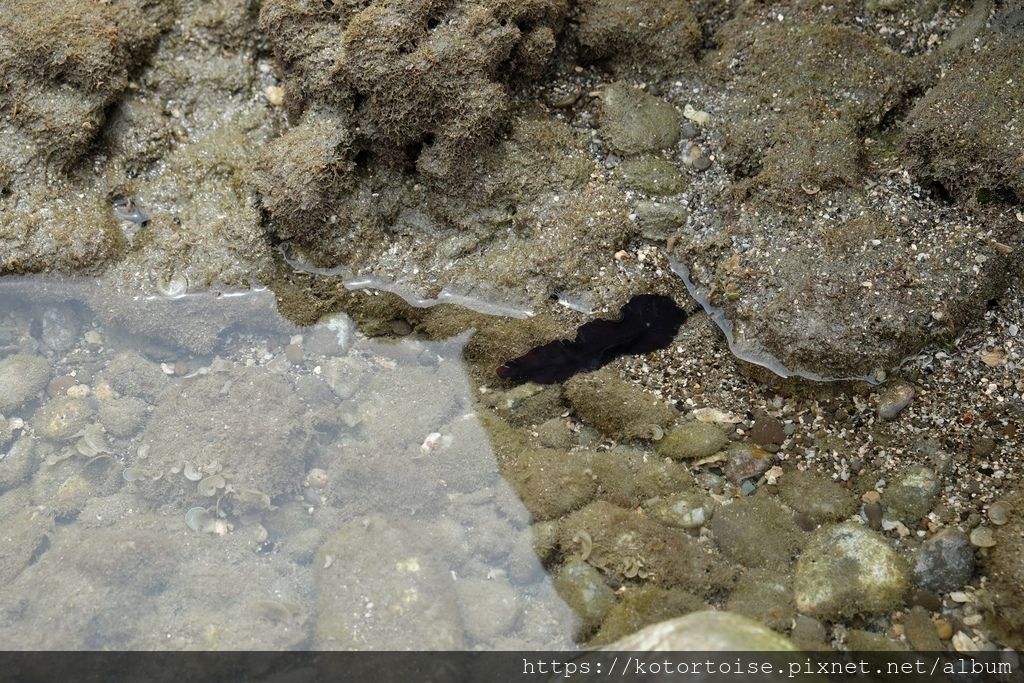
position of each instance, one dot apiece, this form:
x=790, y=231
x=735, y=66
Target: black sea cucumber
x=646, y=323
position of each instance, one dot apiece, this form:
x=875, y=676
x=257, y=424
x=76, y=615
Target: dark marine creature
x=646, y=323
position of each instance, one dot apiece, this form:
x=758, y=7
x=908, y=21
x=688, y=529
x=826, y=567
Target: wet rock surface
x=848, y=569
x=841, y=184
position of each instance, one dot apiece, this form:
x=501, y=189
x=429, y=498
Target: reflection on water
x=198, y=473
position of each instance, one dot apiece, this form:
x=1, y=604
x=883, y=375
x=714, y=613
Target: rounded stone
x=945, y=562
x=913, y=495
x=893, y=399
x=847, y=569
x=583, y=589
x=22, y=376
x=706, y=631
x=693, y=440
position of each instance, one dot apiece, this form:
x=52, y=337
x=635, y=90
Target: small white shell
x=191, y=472
x=209, y=486
x=197, y=518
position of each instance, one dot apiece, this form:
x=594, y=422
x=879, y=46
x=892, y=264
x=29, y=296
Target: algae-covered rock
x=766, y=596
x=692, y=440
x=757, y=532
x=705, y=632
x=847, y=569
x=394, y=565
x=625, y=546
x=659, y=221
x=67, y=61
x=488, y=608
x=26, y=535
x=641, y=606
x=584, y=590
x=964, y=135
x=22, y=377
x=122, y=417
x=133, y=375
x=424, y=79
x=551, y=483
x=62, y=418
x=18, y=463
x=652, y=175
x=684, y=510
x=620, y=409
x=245, y=425
x=817, y=496
x=634, y=121
x=657, y=35
x=912, y=495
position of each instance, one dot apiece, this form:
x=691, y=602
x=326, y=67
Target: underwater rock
x=625, y=546
x=22, y=376
x=248, y=423
x=707, y=631
x=817, y=496
x=584, y=590
x=641, y=606
x=757, y=532
x=693, y=440
x=617, y=408
x=846, y=569
x=945, y=562
x=382, y=583
x=646, y=323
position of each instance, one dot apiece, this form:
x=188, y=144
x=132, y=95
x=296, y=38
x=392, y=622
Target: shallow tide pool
x=197, y=473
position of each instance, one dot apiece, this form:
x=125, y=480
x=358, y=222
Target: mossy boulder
x=757, y=532
x=641, y=606
x=634, y=122
x=617, y=408
x=693, y=440
x=965, y=134
x=551, y=483
x=653, y=36
x=625, y=546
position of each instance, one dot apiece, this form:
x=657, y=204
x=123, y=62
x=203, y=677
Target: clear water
x=196, y=473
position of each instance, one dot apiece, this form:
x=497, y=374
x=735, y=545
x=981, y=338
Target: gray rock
x=945, y=562
x=912, y=496
x=706, y=631
x=123, y=417
x=22, y=376
x=687, y=510
x=133, y=375
x=583, y=589
x=488, y=607
x=634, y=122
x=60, y=328
x=693, y=440
x=660, y=221
x=893, y=399
x=846, y=569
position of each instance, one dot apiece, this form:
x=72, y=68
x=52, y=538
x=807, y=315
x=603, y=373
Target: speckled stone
x=848, y=569
x=945, y=562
